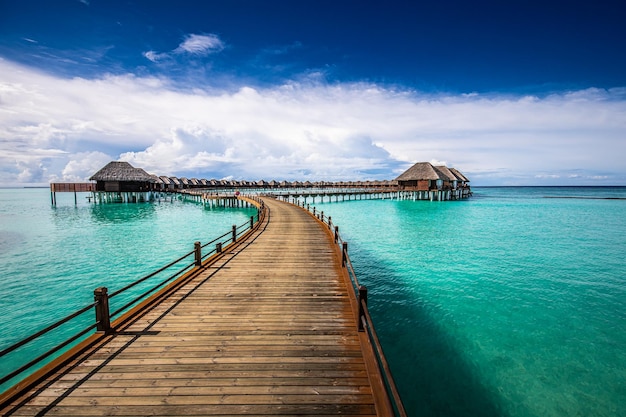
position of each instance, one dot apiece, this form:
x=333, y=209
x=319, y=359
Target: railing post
x=251, y=222
x=330, y=221
x=101, y=297
x=197, y=248
x=344, y=253
x=362, y=299
x=322, y=216
x=234, y=233
x=314, y=211
x=218, y=247
x=336, y=234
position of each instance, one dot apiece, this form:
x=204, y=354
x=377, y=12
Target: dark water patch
x=437, y=380
x=9, y=241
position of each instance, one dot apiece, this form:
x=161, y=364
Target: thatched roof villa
x=432, y=181
x=122, y=177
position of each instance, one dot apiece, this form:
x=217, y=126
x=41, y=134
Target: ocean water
x=511, y=303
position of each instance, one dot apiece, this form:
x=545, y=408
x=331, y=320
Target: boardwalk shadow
x=433, y=377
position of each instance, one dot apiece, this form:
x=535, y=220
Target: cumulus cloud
x=65, y=129
x=193, y=44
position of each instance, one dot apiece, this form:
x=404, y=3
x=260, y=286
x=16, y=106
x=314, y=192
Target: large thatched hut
x=434, y=182
x=119, y=176
x=422, y=176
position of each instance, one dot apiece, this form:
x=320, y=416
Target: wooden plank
x=361, y=383
x=223, y=410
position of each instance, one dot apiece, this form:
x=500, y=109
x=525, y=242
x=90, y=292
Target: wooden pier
x=354, y=194
x=270, y=326
x=71, y=187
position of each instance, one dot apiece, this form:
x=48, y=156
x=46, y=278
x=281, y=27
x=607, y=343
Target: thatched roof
x=121, y=171
x=427, y=171
x=446, y=172
x=459, y=175
x=420, y=171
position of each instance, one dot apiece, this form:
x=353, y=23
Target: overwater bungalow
x=120, y=181
x=463, y=181
x=167, y=183
x=434, y=182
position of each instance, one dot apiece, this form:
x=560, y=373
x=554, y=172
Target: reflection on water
x=122, y=213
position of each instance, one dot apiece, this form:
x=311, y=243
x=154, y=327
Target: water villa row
x=121, y=182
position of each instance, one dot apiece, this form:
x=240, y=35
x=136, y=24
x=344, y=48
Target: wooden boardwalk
x=268, y=329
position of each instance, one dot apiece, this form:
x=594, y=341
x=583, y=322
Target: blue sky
x=510, y=93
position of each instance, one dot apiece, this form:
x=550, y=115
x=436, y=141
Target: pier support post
x=197, y=248
x=103, y=318
x=362, y=300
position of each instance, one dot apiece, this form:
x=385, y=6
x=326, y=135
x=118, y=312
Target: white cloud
x=81, y=165
x=154, y=56
x=65, y=129
x=200, y=44
x=195, y=45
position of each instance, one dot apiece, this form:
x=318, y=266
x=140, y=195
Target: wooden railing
x=364, y=320
x=102, y=325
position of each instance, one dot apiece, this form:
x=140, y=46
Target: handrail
x=140, y=280
x=98, y=303
x=364, y=320
x=150, y=290
x=47, y=353
x=46, y=330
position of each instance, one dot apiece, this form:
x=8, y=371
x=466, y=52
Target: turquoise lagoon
x=511, y=303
